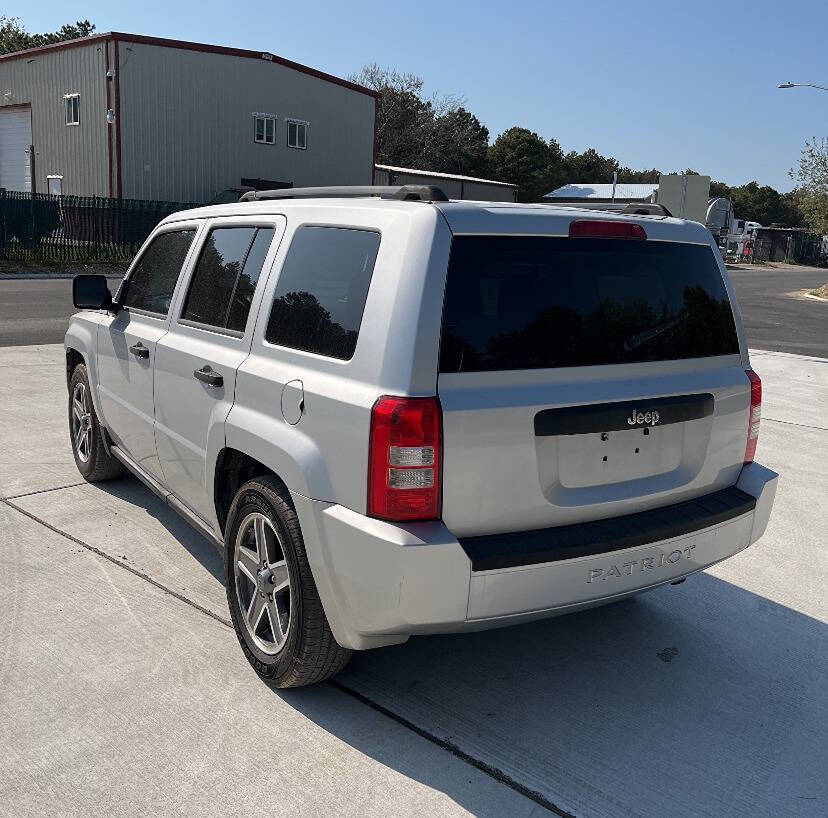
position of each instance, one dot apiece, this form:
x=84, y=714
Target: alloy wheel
x=81, y=422
x=262, y=583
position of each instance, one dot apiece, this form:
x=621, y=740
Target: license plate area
x=613, y=457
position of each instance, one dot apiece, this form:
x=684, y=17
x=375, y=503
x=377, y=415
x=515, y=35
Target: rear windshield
x=518, y=302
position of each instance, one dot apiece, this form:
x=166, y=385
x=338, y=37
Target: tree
x=403, y=117
x=458, y=143
x=761, y=203
x=719, y=189
x=522, y=157
x=812, y=175
x=639, y=176
x=13, y=37
x=434, y=134
x=590, y=166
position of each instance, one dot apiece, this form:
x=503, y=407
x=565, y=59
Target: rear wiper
x=634, y=341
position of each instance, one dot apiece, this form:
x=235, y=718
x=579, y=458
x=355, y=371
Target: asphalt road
x=776, y=320
x=34, y=311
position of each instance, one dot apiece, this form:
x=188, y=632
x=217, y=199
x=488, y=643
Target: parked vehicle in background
x=741, y=241
x=401, y=415
x=229, y=195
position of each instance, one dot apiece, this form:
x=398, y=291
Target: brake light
x=594, y=229
x=755, y=415
x=404, y=459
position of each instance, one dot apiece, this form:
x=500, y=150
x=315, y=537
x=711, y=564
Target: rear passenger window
x=320, y=296
x=225, y=277
x=152, y=280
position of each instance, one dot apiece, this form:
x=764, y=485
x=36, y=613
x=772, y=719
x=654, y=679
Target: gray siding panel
x=453, y=188
x=187, y=126
x=77, y=152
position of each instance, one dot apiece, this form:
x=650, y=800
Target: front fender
x=82, y=337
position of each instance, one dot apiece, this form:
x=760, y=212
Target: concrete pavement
x=122, y=691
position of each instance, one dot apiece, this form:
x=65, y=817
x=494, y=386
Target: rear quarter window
x=517, y=302
x=321, y=292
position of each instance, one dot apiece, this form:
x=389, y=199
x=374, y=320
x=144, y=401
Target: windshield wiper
x=634, y=341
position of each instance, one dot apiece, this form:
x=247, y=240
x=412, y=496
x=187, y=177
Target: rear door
x=127, y=344
x=583, y=378
x=208, y=338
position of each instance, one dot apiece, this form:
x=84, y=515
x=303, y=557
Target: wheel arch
x=80, y=346
x=73, y=358
x=233, y=469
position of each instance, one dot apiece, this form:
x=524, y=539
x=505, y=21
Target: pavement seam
x=43, y=491
x=493, y=772
x=119, y=563
x=802, y=425
x=453, y=749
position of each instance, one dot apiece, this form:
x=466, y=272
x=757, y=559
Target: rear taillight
x=404, y=459
x=595, y=229
x=755, y=415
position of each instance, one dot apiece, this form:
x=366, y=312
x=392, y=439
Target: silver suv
x=400, y=415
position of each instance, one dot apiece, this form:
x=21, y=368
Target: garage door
x=15, y=138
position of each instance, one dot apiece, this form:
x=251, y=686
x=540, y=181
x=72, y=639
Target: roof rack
x=624, y=208
x=406, y=193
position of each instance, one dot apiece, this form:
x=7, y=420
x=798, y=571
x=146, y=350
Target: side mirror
x=91, y=292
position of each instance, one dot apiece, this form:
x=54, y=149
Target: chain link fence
x=791, y=246
x=82, y=229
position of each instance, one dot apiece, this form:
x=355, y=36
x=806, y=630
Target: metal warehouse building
x=124, y=115
x=454, y=186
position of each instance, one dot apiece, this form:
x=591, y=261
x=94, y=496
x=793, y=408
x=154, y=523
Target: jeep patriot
x=398, y=415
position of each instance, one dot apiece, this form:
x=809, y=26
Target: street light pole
x=801, y=85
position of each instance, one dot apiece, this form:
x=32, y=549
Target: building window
x=264, y=128
x=297, y=134
x=54, y=185
x=72, y=103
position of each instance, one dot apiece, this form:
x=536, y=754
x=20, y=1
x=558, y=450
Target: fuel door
x=293, y=401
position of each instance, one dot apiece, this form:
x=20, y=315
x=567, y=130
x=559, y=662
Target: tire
x=91, y=457
x=274, y=604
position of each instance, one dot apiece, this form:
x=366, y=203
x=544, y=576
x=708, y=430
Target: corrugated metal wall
x=187, y=124
x=78, y=152
x=453, y=188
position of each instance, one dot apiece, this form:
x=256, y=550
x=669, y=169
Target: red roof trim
x=266, y=56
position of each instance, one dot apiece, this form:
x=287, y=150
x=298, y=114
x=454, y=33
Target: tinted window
x=322, y=288
x=246, y=285
x=225, y=277
x=152, y=281
x=534, y=302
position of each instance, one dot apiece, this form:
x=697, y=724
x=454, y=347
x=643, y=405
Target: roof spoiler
x=405, y=193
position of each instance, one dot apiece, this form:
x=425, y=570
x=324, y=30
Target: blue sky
x=655, y=84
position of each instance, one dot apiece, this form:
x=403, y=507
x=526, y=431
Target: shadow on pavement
x=131, y=490
x=704, y=698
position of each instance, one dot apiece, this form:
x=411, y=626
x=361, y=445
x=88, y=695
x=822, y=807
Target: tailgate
x=585, y=378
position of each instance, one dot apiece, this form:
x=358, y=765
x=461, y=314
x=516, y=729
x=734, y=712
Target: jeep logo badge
x=647, y=418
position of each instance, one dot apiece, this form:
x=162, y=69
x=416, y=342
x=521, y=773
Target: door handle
x=139, y=350
x=208, y=376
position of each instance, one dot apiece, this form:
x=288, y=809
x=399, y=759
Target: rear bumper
x=381, y=582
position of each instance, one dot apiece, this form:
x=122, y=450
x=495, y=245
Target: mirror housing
x=91, y=292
